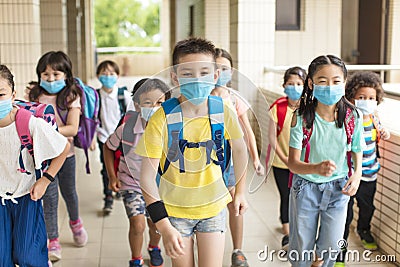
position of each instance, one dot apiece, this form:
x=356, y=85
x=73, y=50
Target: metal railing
x=130, y=49
x=390, y=92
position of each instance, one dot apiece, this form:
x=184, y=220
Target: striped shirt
x=370, y=164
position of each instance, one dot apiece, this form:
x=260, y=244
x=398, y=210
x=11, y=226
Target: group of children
x=183, y=159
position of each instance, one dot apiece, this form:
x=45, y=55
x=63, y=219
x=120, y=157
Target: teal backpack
x=177, y=145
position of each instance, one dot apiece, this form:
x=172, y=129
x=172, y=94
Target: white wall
x=394, y=39
x=320, y=34
x=183, y=20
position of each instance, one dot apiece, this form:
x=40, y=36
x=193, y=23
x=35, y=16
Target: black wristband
x=48, y=176
x=157, y=211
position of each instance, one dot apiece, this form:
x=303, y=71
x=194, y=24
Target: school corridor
x=108, y=240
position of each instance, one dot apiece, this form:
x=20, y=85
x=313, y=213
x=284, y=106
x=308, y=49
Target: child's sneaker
x=367, y=240
x=79, y=233
x=108, y=205
x=54, y=250
x=340, y=258
x=136, y=263
x=238, y=259
x=339, y=264
x=285, y=242
x=156, y=259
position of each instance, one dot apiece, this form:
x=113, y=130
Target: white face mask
x=366, y=106
x=147, y=112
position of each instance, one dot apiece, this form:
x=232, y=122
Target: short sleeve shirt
x=48, y=144
x=327, y=142
x=284, y=136
x=52, y=100
x=129, y=166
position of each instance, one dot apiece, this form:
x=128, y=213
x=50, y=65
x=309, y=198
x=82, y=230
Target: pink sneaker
x=79, y=233
x=54, y=248
x=50, y=264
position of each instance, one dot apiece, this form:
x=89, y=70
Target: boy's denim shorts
x=134, y=203
x=187, y=227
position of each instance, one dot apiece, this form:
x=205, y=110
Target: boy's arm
x=172, y=239
x=40, y=186
x=108, y=154
x=240, y=158
x=385, y=134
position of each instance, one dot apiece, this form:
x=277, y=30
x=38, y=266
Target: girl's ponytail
x=307, y=104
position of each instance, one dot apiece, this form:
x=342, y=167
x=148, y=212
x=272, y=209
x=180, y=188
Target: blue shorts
x=232, y=178
x=187, y=227
x=22, y=233
x=133, y=202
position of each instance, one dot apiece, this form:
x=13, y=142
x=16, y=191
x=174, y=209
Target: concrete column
x=394, y=39
x=74, y=35
x=20, y=45
x=53, y=25
x=217, y=22
x=167, y=29
x=252, y=40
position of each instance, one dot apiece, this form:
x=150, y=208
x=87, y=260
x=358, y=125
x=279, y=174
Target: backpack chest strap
x=177, y=144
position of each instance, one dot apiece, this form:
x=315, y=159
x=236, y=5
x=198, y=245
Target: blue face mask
x=224, y=77
x=53, y=87
x=328, y=94
x=5, y=107
x=147, y=112
x=293, y=91
x=196, y=90
x=366, y=106
x=108, y=81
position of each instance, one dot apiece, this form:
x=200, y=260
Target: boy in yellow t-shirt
x=192, y=201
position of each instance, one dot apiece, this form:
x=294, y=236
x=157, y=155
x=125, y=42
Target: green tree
x=127, y=23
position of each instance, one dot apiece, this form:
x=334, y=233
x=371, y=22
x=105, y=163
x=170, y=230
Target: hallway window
x=287, y=15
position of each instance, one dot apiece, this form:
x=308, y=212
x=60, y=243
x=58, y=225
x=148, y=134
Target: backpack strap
x=281, y=109
x=173, y=114
x=128, y=134
x=98, y=93
x=176, y=143
x=22, y=119
x=349, y=125
x=377, y=125
x=121, y=99
x=216, y=115
x=306, y=140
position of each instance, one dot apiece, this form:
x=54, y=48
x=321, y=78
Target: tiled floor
x=108, y=243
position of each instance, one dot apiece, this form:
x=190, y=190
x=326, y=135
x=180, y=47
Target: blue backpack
x=177, y=145
x=88, y=119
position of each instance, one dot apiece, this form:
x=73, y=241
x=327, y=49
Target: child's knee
x=137, y=224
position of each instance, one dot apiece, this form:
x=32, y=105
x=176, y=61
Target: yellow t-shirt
x=200, y=191
x=284, y=136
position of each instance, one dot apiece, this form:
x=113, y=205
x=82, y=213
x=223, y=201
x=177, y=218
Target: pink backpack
x=22, y=118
